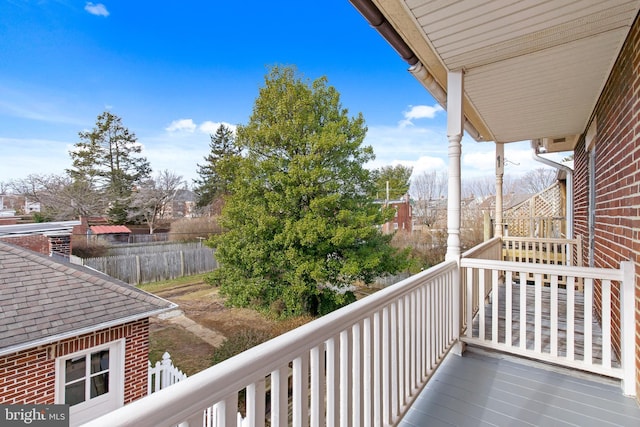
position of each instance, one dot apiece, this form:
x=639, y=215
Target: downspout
x=535, y=145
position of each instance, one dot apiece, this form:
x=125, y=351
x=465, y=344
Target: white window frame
x=99, y=405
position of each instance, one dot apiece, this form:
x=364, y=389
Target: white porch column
x=455, y=123
x=499, y=179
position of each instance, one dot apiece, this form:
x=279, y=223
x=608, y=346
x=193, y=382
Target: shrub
x=427, y=249
x=329, y=301
x=237, y=343
x=83, y=249
x=190, y=229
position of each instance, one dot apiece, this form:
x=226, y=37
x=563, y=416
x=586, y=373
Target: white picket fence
x=164, y=374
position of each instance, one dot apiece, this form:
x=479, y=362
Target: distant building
x=403, y=218
x=182, y=206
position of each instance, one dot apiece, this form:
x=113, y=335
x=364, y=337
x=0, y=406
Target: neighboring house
x=30, y=207
x=71, y=335
x=12, y=202
x=403, y=220
x=181, y=206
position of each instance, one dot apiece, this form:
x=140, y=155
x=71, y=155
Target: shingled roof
x=43, y=301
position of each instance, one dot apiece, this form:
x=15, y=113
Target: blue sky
x=173, y=71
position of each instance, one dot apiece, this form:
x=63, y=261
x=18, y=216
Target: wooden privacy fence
x=150, y=249
x=146, y=268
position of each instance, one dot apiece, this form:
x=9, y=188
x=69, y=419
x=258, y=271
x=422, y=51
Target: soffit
x=533, y=69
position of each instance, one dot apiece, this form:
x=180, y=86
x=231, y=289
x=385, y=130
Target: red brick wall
x=403, y=218
x=617, y=174
x=37, y=242
x=581, y=198
x=29, y=376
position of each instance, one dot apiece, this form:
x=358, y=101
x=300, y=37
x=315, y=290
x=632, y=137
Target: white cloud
x=479, y=163
x=427, y=164
x=211, y=127
x=420, y=112
x=405, y=143
x=179, y=152
x=186, y=125
x=97, y=9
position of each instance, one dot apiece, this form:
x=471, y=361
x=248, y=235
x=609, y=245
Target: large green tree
x=300, y=221
x=392, y=182
x=216, y=173
x=108, y=159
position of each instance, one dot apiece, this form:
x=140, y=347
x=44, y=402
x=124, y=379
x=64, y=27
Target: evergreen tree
x=107, y=159
x=300, y=221
x=394, y=178
x=216, y=173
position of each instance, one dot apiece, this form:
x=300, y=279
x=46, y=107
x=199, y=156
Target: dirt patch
x=202, y=303
x=188, y=352
x=190, y=337
x=202, y=323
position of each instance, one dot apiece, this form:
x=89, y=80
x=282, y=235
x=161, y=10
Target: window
x=86, y=377
x=91, y=382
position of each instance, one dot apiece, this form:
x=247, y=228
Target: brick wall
x=60, y=244
x=617, y=175
x=29, y=376
x=37, y=242
x=403, y=220
x=42, y=244
x=581, y=198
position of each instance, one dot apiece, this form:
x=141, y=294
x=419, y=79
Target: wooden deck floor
x=482, y=390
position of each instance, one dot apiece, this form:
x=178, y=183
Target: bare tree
x=538, y=180
x=60, y=197
x=479, y=187
x=153, y=196
x=429, y=185
x=428, y=189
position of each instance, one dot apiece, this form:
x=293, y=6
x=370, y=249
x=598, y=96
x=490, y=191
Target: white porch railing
x=554, y=323
x=361, y=365
x=543, y=251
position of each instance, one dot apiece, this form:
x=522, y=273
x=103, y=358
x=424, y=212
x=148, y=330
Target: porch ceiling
x=533, y=69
